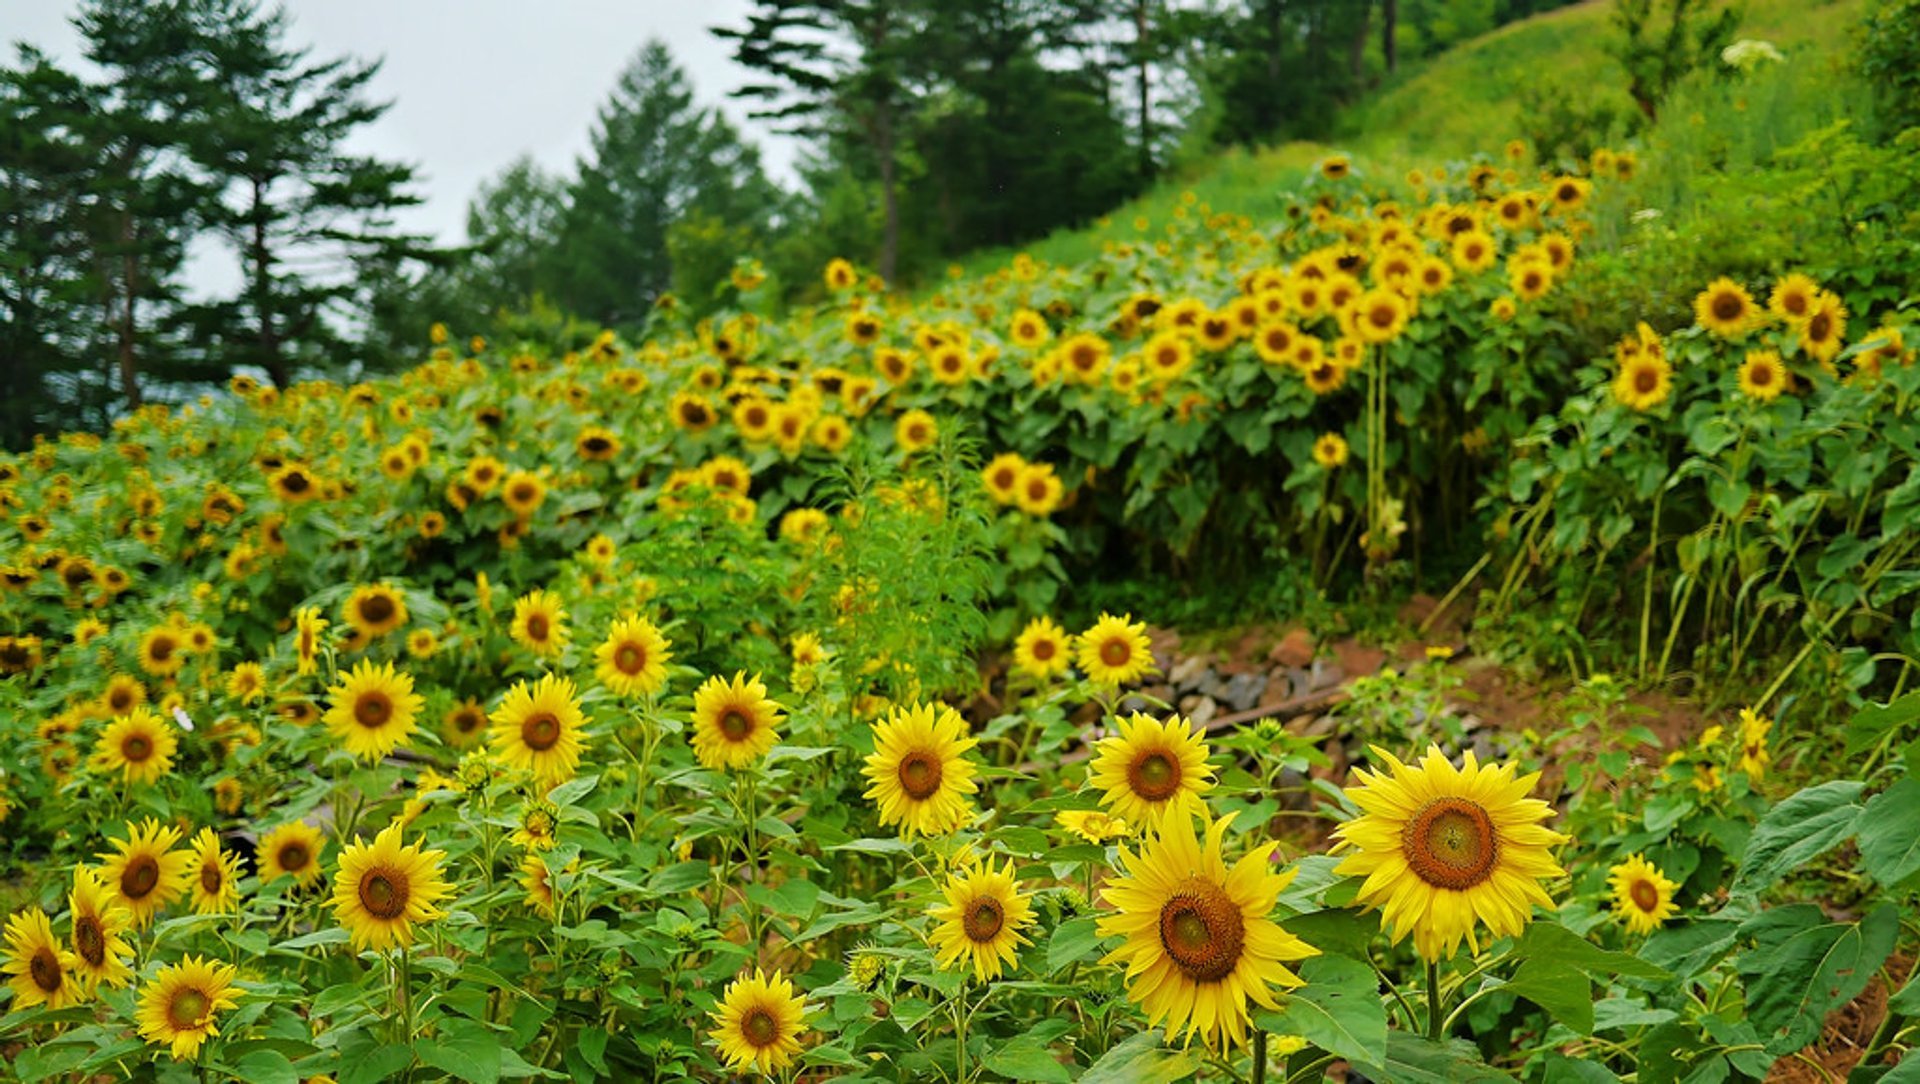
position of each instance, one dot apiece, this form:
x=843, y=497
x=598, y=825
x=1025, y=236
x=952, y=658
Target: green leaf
x=1890, y=834
x=1557, y=987
x=380, y=1063
x=1338, y=1010
x=1414, y=1060
x=1551, y=942
x=467, y=1051
x=573, y=790
x=1071, y=942
x=1141, y=1060
x=1796, y=831
x=1793, y=979
x=1560, y=1069
x=1690, y=948
x=1026, y=1058
x=1876, y=721
x=266, y=1067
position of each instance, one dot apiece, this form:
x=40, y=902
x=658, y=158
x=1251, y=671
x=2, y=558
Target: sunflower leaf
x=1141, y=1060
x=1339, y=1010
x=1796, y=831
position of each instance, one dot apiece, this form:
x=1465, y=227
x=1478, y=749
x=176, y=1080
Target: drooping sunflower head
x=1150, y=771
x=919, y=774
x=1115, y=650
x=633, y=658
x=375, y=609
x=1725, y=308
x=40, y=970
x=759, y=1022
x=291, y=850
x=177, y=1006
x=138, y=746
x=734, y=722
x=1642, y=895
x=373, y=709
x=1199, y=943
x=383, y=888
x=538, y=729
x=100, y=953
x=213, y=878
x=538, y=884
x=540, y=623
x=1093, y=825
x=1444, y=848
x=1041, y=650
x=144, y=870
x=308, y=629
x=1754, y=754
x=982, y=921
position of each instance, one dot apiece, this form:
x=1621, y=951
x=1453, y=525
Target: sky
x=476, y=83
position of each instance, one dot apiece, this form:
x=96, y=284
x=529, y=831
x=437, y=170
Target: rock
x=1277, y=690
x=1203, y=712
x=1319, y=726
x=1212, y=683
x=1187, y=672
x=1243, y=691
x=1295, y=649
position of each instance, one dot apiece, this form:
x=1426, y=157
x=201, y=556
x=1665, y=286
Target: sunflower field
x=729, y=702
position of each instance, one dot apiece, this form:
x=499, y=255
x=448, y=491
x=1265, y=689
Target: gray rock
x=1203, y=712
x=1186, y=673
x=1242, y=691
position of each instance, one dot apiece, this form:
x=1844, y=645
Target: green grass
x=1451, y=106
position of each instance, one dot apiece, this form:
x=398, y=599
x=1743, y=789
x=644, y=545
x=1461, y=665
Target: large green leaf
x=1797, y=831
x=1411, y=1059
x=1026, y=1058
x=1797, y=971
x=1890, y=834
x=1554, y=943
x=1072, y=940
x=1692, y=947
x=1557, y=987
x=1876, y=721
x=1339, y=1009
x=1141, y=1060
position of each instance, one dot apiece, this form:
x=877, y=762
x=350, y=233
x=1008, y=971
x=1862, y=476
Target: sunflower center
x=140, y=877
x=88, y=941
x=735, y=724
x=540, y=732
x=523, y=494
x=383, y=894
x=1451, y=843
x=920, y=775
x=760, y=1028
x=630, y=658
x=137, y=748
x=1645, y=380
x=120, y=701
x=1202, y=931
x=372, y=710
x=210, y=879
x=1155, y=776
x=536, y=627
x=1818, y=327
x=45, y=969
x=984, y=919
x=160, y=650
x=1761, y=376
x=188, y=1009
x=1116, y=652
x=1727, y=307
x=376, y=609
x=1382, y=315
x=295, y=482
x=293, y=858
x=1003, y=478
x=1043, y=650
x=1645, y=895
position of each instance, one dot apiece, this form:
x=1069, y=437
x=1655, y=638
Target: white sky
x=475, y=83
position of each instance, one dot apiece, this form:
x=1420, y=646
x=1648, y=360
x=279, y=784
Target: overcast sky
x=475, y=83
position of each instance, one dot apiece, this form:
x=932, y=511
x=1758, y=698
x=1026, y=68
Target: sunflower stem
x=1259, y=1056
x=1436, y=1023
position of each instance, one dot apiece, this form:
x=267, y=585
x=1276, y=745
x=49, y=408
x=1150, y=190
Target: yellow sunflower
x=1443, y=848
x=291, y=850
x=383, y=888
x=537, y=729
x=373, y=709
x=982, y=922
x=1642, y=895
x=1725, y=308
x=633, y=658
x=213, y=884
x=1763, y=376
x=40, y=969
x=375, y=609
x=1754, y=754
x=1330, y=450
x=733, y=722
x=1825, y=327
x=915, y=431
x=308, y=629
x=144, y=870
x=100, y=953
x=1792, y=298
x=176, y=1008
x=538, y=884
x=540, y=623
x=163, y=651
x=247, y=682
x=1643, y=383
x=1002, y=476
x=1149, y=771
x=124, y=693
x=1199, y=942
x=138, y=746
x=919, y=772
x=758, y=1023
x=1039, y=490
x=1040, y=651
x=1115, y=650
x=1380, y=316
x=523, y=492
x=1093, y=825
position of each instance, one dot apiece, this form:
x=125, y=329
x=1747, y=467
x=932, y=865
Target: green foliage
x=1888, y=59
x=1663, y=41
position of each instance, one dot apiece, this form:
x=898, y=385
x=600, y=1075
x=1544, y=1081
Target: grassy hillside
x=1453, y=105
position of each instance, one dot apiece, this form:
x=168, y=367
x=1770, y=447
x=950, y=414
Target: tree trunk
x=270, y=357
x=1357, y=47
x=1390, y=14
x=1141, y=47
x=130, y=283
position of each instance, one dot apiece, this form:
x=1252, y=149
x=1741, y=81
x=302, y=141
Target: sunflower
x=247, y=682
x=540, y=623
x=1643, y=382
x=1825, y=327
x=382, y=888
x=1040, y=651
x=1380, y=316
x=1115, y=650
x=537, y=729
x=1754, y=755
x=538, y=883
x=124, y=693
x=163, y=651
x=1725, y=308
x=633, y=658
x=1149, y=771
x=374, y=610
x=144, y=870
x=1002, y=476
x=982, y=920
x=1442, y=847
x=597, y=443
x=733, y=722
x=1473, y=250
x=691, y=412
x=373, y=709
x=523, y=492
x=915, y=431
x=215, y=872
x=1530, y=279
x=919, y=772
x=291, y=850
x=100, y=954
x=1330, y=450
x=1199, y=942
x=1039, y=490
x=138, y=746
x=1029, y=329
x=1642, y=895
x=1762, y=376
x=1092, y=825
x=1324, y=377
x=308, y=627
x=758, y=1023
x=483, y=472
x=41, y=970
x=176, y=1008
x=1792, y=298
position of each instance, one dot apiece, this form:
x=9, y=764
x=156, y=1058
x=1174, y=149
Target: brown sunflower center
x=1645, y=380
x=760, y=1028
x=1819, y=327
x=210, y=879
x=1727, y=306
x=160, y=650
x=1451, y=843
x=1043, y=650
x=523, y=493
x=1116, y=652
x=139, y=877
x=1155, y=776
x=540, y=731
x=293, y=857
x=188, y=1008
x=45, y=969
x=1202, y=931
x=1382, y=315
x=136, y=748
x=383, y=893
x=630, y=658
x=985, y=917
x=1760, y=375
x=735, y=724
x=1645, y=895
x=376, y=609
x=1003, y=478
x=920, y=774
x=536, y=627
x=372, y=709
x=295, y=482
x=89, y=941
x=120, y=701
